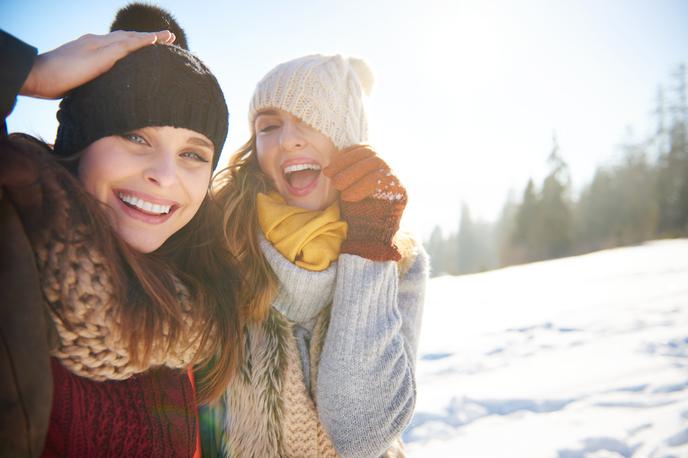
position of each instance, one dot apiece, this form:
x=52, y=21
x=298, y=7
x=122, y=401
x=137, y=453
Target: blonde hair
x=235, y=189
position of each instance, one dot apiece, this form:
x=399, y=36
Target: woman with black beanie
x=113, y=282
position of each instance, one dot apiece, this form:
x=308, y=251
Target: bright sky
x=467, y=93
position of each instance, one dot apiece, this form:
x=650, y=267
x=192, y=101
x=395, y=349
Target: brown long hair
x=235, y=189
x=145, y=284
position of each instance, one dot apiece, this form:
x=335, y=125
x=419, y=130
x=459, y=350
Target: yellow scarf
x=309, y=239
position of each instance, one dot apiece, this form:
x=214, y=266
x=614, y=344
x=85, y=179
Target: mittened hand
x=357, y=172
x=372, y=202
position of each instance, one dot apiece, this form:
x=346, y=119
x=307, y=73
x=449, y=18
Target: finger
x=364, y=187
x=124, y=35
x=136, y=40
x=352, y=174
x=108, y=55
x=165, y=37
x=343, y=159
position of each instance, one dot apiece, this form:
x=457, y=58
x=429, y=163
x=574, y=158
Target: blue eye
x=135, y=138
x=195, y=156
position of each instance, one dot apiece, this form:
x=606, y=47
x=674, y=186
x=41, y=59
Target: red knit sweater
x=150, y=415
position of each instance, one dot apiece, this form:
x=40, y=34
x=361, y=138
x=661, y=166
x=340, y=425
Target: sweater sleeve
x=16, y=60
x=366, y=377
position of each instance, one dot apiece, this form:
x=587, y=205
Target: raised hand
x=58, y=71
x=372, y=202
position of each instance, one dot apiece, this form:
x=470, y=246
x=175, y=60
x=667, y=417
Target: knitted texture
x=78, y=289
x=148, y=415
x=76, y=283
x=292, y=300
x=325, y=92
x=77, y=286
x=303, y=435
x=158, y=85
x=253, y=399
x=372, y=202
x=309, y=238
x=360, y=396
x=270, y=411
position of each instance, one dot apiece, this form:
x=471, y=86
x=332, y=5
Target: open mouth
x=144, y=206
x=302, y=177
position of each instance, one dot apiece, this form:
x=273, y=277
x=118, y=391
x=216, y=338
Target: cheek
x=265, y=158
x=332, y=193
x=323, y=145
x=197, y=186
x=93, y=172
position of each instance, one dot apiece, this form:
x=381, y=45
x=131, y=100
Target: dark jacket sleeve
x=16, y=60
x=25, y=375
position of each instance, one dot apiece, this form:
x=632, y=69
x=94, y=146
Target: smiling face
x=293, y=155
x=153, y=179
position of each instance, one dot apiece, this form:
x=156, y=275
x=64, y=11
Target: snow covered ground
x=578, y=357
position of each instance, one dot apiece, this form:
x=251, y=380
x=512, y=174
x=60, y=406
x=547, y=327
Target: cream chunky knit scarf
x=270, y=408
x=78, y=288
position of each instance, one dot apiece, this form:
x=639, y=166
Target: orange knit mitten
x=372, y=202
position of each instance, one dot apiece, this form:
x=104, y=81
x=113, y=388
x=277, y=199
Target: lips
x=144, y=207
x=301, y=175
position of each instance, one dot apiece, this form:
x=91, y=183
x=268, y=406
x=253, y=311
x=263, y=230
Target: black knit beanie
x=158, y=85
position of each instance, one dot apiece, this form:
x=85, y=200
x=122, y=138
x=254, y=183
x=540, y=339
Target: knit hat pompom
x=325, y=92
x=364, y=74
x=141, y=17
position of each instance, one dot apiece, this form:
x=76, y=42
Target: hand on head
x=58, y=71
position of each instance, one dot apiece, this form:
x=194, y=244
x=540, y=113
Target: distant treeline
x=642, y=196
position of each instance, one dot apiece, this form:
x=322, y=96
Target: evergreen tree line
x=641, y=196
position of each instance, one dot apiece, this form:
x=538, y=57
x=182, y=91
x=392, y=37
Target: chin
x=140, y=244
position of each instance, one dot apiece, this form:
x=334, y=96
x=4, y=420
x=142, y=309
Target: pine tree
x=435, y=248
x=556, y=220
x=672, y=175
x=523, y=242
x=466, y=243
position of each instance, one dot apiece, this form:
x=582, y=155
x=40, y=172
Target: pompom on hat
x=157, y=85
x=136, y=17
x=325, y=92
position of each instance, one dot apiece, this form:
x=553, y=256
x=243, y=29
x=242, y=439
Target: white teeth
x=298, y=167
x=143, y=205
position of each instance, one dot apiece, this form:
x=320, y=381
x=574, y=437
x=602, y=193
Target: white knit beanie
x=325, y=92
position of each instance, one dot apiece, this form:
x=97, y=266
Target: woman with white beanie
x=336, y=293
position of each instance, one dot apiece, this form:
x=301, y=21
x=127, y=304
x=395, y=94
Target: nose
x=292, y=138
x=162, y=171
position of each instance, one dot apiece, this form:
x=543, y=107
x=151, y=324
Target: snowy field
x=578, y=357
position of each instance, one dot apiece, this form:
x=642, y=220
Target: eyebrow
x=266, y=113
